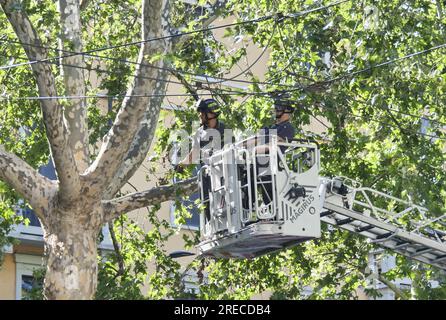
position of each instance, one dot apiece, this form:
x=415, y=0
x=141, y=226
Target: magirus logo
x=303, y=206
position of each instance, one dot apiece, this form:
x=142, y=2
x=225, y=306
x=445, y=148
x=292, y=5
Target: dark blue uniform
x=284, y=130
x=206, y=139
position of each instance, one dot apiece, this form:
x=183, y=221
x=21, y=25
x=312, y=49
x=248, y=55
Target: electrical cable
x=264, y=18
x=253, y=94
x=379, y=65
x=258, y=58
x=220, y=79
x=235, y=93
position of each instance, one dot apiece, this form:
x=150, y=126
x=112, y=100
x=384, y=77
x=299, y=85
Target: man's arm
x=286, y=133
x=193, y=154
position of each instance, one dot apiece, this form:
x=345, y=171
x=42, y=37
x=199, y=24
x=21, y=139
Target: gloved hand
x=179, y=168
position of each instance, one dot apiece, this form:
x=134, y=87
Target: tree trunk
x=71, y=253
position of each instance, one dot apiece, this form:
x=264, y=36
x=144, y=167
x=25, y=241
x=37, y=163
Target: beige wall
x=7, y=278
x=8, y=268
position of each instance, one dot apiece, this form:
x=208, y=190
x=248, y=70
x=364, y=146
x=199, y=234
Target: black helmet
x=283, y=102
x=208, y=105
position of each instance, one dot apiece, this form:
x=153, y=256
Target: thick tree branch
x=35, y=188
x=143, y=139
x=137, y=113
x=114, y=208
x=139, y=147
x=76, y=111
x=398, y=292
x=53, y=117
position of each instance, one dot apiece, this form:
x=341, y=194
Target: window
x=25, y=266
x=191, y=282
x=28, y=284
x=192, y=223
x=29, y=214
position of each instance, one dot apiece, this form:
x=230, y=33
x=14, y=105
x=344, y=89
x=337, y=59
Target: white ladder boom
x=407, y=229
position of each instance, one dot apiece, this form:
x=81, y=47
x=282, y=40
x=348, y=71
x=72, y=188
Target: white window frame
x=25, y=264
x=35, y=235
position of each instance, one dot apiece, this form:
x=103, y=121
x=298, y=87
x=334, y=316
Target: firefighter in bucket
x=285, y=131
x=207, y=140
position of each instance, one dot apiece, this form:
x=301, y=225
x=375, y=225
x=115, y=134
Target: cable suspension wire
x=217, y=91
x=285, y=48
x=257, y=59
x=99, y=70
x=213, y=91
x=180, y=34
x=228, y=92
x=404, y=130
x=418, y=117
x=99, y=96
x=356, y=72
x=386, y=63
x=210, y=79
x=363, y=117
x=222, y=79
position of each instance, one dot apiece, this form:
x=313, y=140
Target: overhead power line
x=403, y=130
x=341, y=77
x=99, y=96
x=180, y=34
x=386, y=63
x=228, y=92
x=363, y=117
x=109, y=72
x=257, y=59
x=241, y=92
x=211, y=79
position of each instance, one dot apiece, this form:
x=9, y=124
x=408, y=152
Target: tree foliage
x=384, y=127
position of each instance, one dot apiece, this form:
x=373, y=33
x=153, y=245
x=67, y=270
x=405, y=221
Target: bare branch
x=53, y=117
x=117, y=248
x=35, y=188
x=191, y=89
x=114, y=208
x=138, y=115
x=76, y=112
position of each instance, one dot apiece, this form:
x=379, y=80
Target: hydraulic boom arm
x=392, y=223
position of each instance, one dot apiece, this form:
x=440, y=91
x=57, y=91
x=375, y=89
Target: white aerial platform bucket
x=262, y=198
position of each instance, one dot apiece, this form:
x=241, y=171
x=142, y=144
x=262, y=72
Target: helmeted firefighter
x=207, y=140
